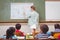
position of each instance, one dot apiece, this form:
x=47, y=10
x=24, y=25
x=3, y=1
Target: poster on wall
x=52, y=10
x=20, y=10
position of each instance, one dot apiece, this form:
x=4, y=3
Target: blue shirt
x=13, y=37
x=49, y=33
x=57, y=30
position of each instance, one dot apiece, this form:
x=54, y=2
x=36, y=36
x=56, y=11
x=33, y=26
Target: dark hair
x=44, y=28
x=10, y=32
x=18, y=26
x=33, y=7
x=57, y=26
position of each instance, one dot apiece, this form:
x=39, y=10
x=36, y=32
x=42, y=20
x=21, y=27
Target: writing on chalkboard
x=18, y=10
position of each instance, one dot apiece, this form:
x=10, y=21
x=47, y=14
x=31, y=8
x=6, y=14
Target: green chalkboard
x=5, y=9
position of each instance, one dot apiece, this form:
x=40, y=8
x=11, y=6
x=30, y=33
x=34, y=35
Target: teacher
x=33, y=19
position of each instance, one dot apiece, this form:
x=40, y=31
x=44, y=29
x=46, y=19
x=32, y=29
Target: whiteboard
x=20, y=10
x=52, y=10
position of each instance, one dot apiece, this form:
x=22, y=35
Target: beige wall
x=4, y=26
x=24, y=28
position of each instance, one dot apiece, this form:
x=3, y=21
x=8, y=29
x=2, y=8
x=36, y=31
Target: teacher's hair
x=33, y=7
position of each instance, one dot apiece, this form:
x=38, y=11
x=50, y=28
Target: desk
x=37, y=39
x=31, y=39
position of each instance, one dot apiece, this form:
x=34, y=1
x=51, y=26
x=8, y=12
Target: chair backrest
x=0, y=38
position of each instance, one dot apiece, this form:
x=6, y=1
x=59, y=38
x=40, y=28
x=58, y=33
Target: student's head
x=18, y=26
x=10, y=32
x=32, y=8
x=12, y=28
x=44, y=28
x=57, y=26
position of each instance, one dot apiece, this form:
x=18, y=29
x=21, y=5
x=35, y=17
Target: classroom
x=30, y=17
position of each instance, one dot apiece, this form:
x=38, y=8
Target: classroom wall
x=5, y=9
x=24, y=28
x=52, y=10
x=5, y=14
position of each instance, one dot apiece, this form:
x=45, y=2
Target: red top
x=19, y=33
x=59, y=37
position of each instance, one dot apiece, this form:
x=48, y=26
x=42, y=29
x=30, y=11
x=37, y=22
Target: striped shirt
x=41, y=35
